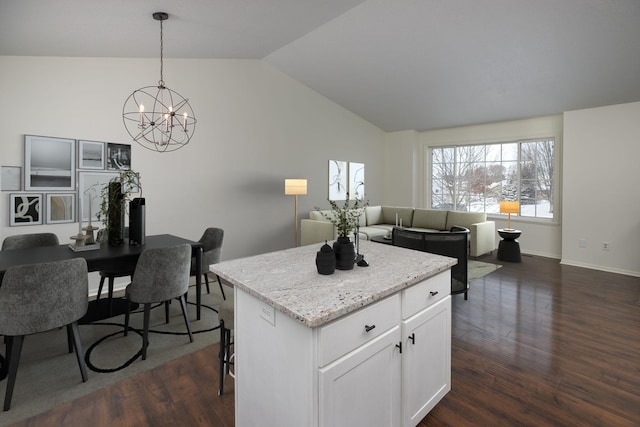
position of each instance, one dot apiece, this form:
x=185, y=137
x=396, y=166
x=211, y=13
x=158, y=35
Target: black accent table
x=509, y=248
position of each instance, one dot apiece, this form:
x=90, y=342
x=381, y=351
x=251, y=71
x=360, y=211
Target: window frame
x=555, y=180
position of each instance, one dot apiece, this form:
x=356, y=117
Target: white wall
x=538, y=237
x=601, y=198
x=256, y=127
x=401, y=169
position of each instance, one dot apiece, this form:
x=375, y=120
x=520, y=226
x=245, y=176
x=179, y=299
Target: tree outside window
x=476, y=178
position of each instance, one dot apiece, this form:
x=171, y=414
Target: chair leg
x=206, y=281
x=183, y=305
x=73, y=330
x=100, y=288
x=145, y=333
x=221, y=359
x=112, y=279
x=14, y=348
x=126, y=317
x=69, y=340
x=166, y=311
x=227, y=351
x=221, y=289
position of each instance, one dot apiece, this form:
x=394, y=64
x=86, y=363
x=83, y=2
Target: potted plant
x=344, y=218
x=113, y=203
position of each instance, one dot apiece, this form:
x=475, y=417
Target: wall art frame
x=90, y=186
x=91, y=155
x=356, y=181
x=118, y=156
x=11, y=178
x=61, y=208
x=25, y=209
x=337, y=180
x=49, y=163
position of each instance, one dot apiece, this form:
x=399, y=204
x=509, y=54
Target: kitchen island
x=369, y=346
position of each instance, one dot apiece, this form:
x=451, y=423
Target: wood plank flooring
x=536, y=344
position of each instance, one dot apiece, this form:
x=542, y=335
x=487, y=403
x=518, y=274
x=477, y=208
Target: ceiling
x=400, y=64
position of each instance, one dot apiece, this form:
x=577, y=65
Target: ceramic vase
x=345, y=253
x=326, y=260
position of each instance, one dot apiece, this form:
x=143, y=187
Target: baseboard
x=541, y=254
x=600, y=268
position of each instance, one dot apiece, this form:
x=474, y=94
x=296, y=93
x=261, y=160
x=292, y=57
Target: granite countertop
x=289, y=281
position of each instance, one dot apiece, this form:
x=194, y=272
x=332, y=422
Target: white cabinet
x=363, y=389
x=426, y=360
x=386, y=364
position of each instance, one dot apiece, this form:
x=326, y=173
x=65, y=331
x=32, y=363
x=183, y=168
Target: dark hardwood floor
x=536, y=344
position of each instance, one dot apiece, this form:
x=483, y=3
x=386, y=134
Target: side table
x=509, y=248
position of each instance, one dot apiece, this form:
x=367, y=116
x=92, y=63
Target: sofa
x=380, y=220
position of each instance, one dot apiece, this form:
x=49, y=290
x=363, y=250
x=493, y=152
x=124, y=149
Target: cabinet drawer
x=350, y=332
x=425, y=293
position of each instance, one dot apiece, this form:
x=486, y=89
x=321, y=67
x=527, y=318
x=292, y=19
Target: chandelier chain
x=161, y=83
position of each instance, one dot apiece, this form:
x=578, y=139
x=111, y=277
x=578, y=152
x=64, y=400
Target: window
x=476, y=178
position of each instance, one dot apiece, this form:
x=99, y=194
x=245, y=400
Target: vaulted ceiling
x=400, y=64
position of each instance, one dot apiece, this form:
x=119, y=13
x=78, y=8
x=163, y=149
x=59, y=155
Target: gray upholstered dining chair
x=26, y=241
x=211, y=241
x=161, y=275
x=37, y=298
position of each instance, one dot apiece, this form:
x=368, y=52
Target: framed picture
x=90, y=186
x=11, y=178
x=61, y=208
x=337, y=180
x=356, y=180
x=118, y=156
x=49, y=163
x=26, y=209
x=90, y=155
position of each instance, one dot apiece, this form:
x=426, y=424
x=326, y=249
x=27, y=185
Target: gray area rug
x=48, y=375
x=478, y=269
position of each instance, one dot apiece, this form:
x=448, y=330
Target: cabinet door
x=426, y=367
x=363, y=387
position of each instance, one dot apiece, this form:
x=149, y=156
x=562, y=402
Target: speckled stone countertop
x=289, y=281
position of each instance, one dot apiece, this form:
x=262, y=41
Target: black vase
x=326, y=260
x=115, y=215
x=345, y=253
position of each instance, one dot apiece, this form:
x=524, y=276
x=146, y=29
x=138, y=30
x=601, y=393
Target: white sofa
x=380, y=220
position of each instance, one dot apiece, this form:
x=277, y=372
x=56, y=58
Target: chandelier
x=157, y=117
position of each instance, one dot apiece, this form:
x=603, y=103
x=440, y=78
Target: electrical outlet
x=605, y=246
x=582, y=243
x=268, y=313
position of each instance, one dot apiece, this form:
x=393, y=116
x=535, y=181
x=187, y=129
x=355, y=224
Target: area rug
x=48, y=375
x=478, y=269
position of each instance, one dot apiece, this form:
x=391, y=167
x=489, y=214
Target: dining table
x=105, y=257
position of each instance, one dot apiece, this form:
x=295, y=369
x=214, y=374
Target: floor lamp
x=295, y=187
x=509, y=207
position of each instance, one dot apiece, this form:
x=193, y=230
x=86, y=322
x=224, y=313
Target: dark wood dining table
x=105, y=258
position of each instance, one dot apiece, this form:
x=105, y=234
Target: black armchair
x=453, y=243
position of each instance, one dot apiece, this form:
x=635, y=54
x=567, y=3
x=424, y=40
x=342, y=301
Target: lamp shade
x=509, y=207
x=295, y=187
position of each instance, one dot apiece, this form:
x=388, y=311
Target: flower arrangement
x=344, y=217
x=130, y=183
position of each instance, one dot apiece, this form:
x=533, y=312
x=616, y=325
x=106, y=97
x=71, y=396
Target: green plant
x=130, y=183
x=344, y=217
